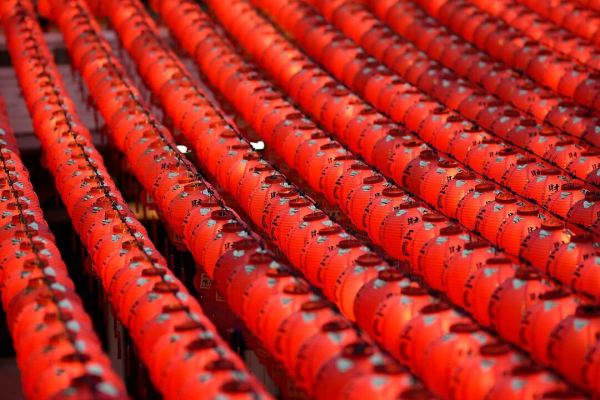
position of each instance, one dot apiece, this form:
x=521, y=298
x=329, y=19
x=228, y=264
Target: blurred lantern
x=432, y=322
x=540, y=319
x=484, y=281
x=471, y=204
x=571, y=339
x=461, y=266
x=445, y=353
x=516, y=227
x=388, y=283
x=436, y=251
x=512, y=298
x=474, y=376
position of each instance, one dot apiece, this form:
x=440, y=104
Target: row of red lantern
x=554, y=24
x=376, y=145
x=591, y=4
x=464, y=196
x=560, y=74
x=57, y=349
x=148, y=298
x=261, y=291
x=367, y=303
x=466, y=60
x=447, y=86
x=363, y=262
x=435, y=125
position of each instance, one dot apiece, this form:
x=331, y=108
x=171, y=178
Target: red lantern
x=379, y=208
x=361, y=195
x=496, y=166
x=344, y=256
x=480, y=286
x=354, y=360
x=540, y=319
x=525, y=382
x=471, y=204
x=320, y=348
x=387, y=380
x=445, y=353
x=436, y=178
x=353, y=278
x=420, y=233
x=432, y=322
x=416, y=169
x=543, y=187
x=564, y=259
x=299, y=327
x=403, y=155
x=289, y=217
x=396, y=225
x=586, y=279
x=436, y=251
x=461, y=266
x=561, y=201
x=584, y=211
x=516, y=227
x=301, y=234
x=474, y=376
x=332, y=173
x=570, y=341
x=493, y=215
x=350, y=179
x=392, y=315
x=539, y=243
x=452, y=193
x=318, y=248
x=519, y=175
x=478, y=156
x=512, y=298
x=389, y=283
x=276, y=309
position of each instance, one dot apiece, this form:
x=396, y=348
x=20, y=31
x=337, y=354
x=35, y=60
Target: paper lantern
x=539, y=320
x=570, y=341
x=480, y=286
x=461, y=266
x=436, y=251
x=320, y=348
x=564, y=259
x=474, y=376
x=539, y=243
x=493, y=215
x=432, y=322
x=525, y=382
x=388, y=283
x=379, y=208
x=512, y=298
x=471, y=204
x=318, y=248
x=443, y=355
x=344, y=256
x=353, y=278
x=519, y=175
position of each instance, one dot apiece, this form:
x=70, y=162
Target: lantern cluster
x=477, y=97
x=334, y=272
x=433, y=123
x=478, y=205
x=58, y=351
x=542, y=61
x=164, y=320
x=258, y=289
x=567, y=28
